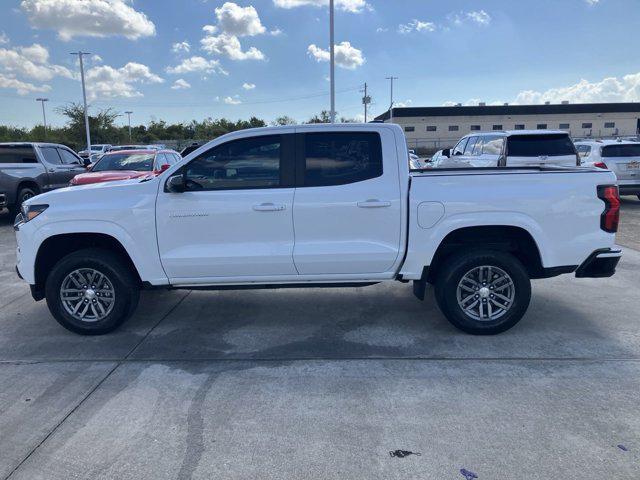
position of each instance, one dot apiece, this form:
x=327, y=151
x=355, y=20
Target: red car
x=127, y=164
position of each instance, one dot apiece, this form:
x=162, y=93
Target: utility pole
x=129, y=115
x=84, y=98
x=391, y=106
x=366, y=100
x=332, y=60
x=44, y=115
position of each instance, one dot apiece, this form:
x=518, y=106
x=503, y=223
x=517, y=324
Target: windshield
x=140, y=162
x=621, y=151
x=96, y=147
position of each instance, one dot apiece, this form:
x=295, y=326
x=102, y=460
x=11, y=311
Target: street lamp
x=44, y=115
x=129, y=115
x=332, y=60
x=84, y=98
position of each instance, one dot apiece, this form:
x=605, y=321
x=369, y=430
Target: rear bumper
x=600, y=264
x=629, y=188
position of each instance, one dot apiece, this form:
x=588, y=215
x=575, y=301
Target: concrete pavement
x=323, y=384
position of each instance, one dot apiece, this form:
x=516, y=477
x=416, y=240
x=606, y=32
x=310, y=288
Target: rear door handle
x=374, y=203
x=269, y=207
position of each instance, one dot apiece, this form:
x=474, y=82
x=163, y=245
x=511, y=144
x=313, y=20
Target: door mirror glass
x=175, y=184
x=164, y=167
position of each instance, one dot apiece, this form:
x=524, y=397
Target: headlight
x=29, y=212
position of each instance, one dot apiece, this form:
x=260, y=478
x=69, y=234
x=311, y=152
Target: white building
x=432, y=128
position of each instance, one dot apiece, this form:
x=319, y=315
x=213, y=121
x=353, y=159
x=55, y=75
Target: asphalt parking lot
x=325, y=383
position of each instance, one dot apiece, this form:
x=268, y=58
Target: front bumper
x=600, y=264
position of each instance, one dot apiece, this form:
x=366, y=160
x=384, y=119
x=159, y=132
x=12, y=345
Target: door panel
x=347, y=228
x=226, y=233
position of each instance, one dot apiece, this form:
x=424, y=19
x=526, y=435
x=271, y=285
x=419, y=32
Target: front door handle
x=374, y=203
x=269, y=207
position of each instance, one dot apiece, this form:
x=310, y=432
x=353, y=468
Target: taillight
x=601, y=165
x=611, y=214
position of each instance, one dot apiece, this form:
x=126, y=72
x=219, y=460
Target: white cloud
x=406, y=103
x=3, y=38
x=276, y=32
x=90, y=18
x=353, y=6
x=480, y=17
x=248, y=86
x=611, y=89
x=381, y=30
x=96, y=58
x=592, y=2
x=21, y=88
x=234, y=22
x=230, y=46
x=196, y=64
x=235, y=100
x=180, y=84
x=239, y=21
x=107, y=82
x=179, y=47
x=416, y=25
x=346, y=56
x=31, y=62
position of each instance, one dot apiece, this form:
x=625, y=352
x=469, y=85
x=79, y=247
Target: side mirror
x=446, y=152
x=164, y=168
x=175, y=184
x=86, y=161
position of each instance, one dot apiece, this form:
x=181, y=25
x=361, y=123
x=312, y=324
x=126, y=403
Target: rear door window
x=492, y=145
x=341, y=158
x=620, y=151
x=17, y=154
x=551, y=145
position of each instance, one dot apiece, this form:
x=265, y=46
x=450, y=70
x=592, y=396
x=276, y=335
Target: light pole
x=332, y=60
x=366, y=100
x=44, y=115
x=84, y=98
x=392, y=78
x=129, y=115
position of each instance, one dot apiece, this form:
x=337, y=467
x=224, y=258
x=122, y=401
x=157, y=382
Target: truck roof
x=39, y=144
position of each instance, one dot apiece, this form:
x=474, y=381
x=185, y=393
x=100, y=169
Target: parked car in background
x=253, y=211
x=513, y=148
x=622, y=157
x=96, y=152
x=127, y=164
x=28, y=169
x=191, y=148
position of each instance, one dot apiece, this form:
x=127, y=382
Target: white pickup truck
x=317, y=206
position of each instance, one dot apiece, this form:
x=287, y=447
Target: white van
x=513, y=148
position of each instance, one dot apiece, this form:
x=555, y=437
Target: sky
x=192, y=59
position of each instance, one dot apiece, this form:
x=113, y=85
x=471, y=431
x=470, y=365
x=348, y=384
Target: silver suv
x=512, y=148
x=27, y=169
x=622, y=157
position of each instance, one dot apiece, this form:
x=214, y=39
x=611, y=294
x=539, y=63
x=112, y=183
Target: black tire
x=126, y=290
x=453, y=271
x=24, y=194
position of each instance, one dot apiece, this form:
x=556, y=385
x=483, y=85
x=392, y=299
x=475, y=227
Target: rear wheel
x=91, y=291
x=483, y=292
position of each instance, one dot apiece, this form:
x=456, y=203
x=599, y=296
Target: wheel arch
x=56, y=247
x=505, y=238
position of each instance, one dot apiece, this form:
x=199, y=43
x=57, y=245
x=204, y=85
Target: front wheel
x=483, y=292
x=91, y=291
